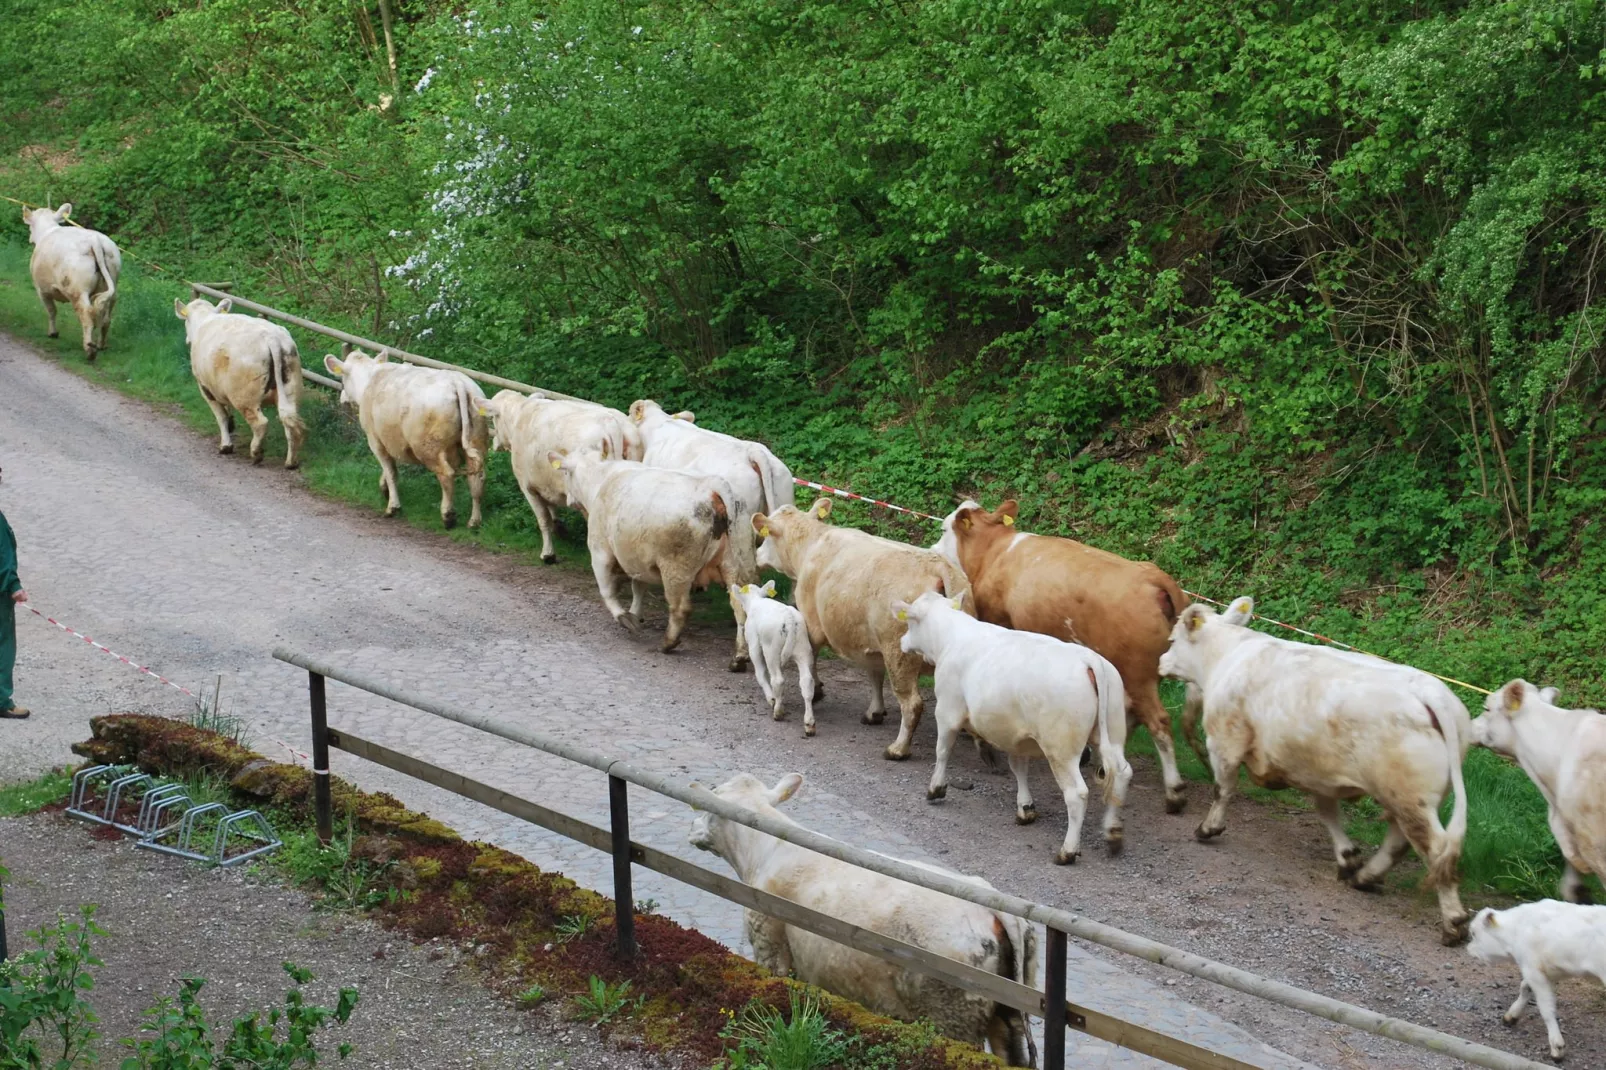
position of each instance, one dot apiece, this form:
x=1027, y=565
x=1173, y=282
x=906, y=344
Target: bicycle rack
x=168, y=821
x=233, y=827
x=84, y=783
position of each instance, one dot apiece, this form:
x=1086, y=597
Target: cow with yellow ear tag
x=846, y=583
x=1338, y=725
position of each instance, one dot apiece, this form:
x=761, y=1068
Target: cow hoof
x=1026, y=815
x=1370, y=886
x=893, y=756
x=473, y=525
x=1351, y=864
x=1115, y=840
x=869, y=718
x=1066, y=858
x=291, y=466
x=631, y=622
x=668, y=646
x=549, y=559
x=808, y=731
x=448, y=521
x=53, y=334
x=256, y=459
x=1175, y=804
x=1203, y=834
x=89, y=355
x=739, y=664
x=1453, y=933
x=1508, y=1020
x=226, y=450
x=392, y=510
x=938, y=792
x=777, y=714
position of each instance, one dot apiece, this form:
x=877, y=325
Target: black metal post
x=624, y=902
x=1054, y=1002
x=3, y=954
x=320, y=759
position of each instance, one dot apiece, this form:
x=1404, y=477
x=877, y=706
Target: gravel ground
x=421, y=1006
x=133, y=530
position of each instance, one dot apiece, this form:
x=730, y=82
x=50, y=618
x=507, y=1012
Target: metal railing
x=1050, y=1004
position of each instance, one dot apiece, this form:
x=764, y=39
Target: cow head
x=710, y=832
x=1487, y=942
x=355, y=371
x=1201, y=636
x=752, y=592
x=41, y=221
x=198, y=312
x=1504, y=709
x=922, y=621
x=971, y=525
x=786, y=532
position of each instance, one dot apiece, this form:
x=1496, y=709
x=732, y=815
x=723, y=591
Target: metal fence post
x=320, y=759
x=624, y=903
x=1054, y=1001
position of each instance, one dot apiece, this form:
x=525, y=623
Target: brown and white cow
x=425, y=416
x=1122, y=609
x=653, y=525
x=1564, y=754
x=847, y=581
x=244, y=363
x=76, y=265
x=758, y=481
x=1338, y=725
x=998, y=943
x=528, y=428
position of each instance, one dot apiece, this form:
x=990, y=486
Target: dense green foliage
x=1298, y=299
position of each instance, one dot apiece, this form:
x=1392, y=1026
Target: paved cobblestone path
x=133, y=530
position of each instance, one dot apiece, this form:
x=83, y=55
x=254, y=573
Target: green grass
x=801, y=1039
x=1509, y=847
x=33, y=795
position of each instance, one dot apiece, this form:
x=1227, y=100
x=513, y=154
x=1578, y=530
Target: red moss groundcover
x=474, y=893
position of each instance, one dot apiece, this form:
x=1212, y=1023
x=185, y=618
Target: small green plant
x=532, y=995
x=184, y=1041
x=348, y=881
x=572, y=927
x=208, y=714
x=45, y=1021
x=646, y=906
x=32, y=795
x=801, y=1039
x=605, y=1001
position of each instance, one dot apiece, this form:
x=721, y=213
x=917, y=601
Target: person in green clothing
x=11, y=596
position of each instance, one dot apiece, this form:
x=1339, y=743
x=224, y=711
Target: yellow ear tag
x=1240, y=607
x=1009, y=521
x=764, y=533
x=557, y=464
x=823, y=511
x=1193, y=623
x=903, y=614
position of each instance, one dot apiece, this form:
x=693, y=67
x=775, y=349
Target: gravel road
x=134, y=531
x=420, y=1007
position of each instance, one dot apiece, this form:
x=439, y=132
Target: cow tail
x=1442, y=867
x=1111, y=704
x=102, y=265
x=1017, y=960
x=1172, y=598
x=1192, y=710
x=286, y=362
x=766, y=479
x=722, y=516
x=470, y=421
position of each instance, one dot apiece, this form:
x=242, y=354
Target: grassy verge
x=33, y=795
x=537, y=936
x=1509, y=846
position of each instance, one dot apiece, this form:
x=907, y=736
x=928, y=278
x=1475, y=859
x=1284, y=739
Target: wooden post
x=1054, y=1001
x=624, y=903
x=321, y=802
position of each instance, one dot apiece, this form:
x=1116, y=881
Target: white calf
x=76, y=265
x=1547, y=940
x=776, y=634
x=1028, y=695
x=1564, y=753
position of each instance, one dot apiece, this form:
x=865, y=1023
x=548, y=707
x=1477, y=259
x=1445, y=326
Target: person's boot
x=15, y=713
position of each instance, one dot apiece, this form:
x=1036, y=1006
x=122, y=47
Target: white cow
x=1564, y=753
x=1030, y=696
x=653, y=525
x=528, y=428
x=76, y=265
x=245, y=363
x=425, y=416
x=758, y=480
x=1548, y=941
x=1337, y=725
x=998, y=943
x=776, y=635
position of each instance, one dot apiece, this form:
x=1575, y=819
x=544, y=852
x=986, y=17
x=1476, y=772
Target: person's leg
x=8, y=649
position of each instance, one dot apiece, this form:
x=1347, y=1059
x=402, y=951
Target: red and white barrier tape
x=148, y=672
x=840, y=493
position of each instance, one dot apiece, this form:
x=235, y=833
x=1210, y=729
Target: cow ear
x=180, y=310
x=900, y=609
x=686, y=415
x=1009, y=511
x=638, y=411
x=768, y=588
x=225, y=304
x=958, y=603
x=1193, y=617
x=383, y=358
x=556, y=458
x=761, y=525
x=1549, y=695
x=64, y=213
x=1240, y=611
x=785, y=788
x=821, y=508
x=336, y=366
x=345, y=349
x=605, y=449
x=1512, y=694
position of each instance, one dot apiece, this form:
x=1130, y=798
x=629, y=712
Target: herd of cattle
x=1041, y=647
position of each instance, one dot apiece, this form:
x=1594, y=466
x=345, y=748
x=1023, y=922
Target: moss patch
x=479, y=895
